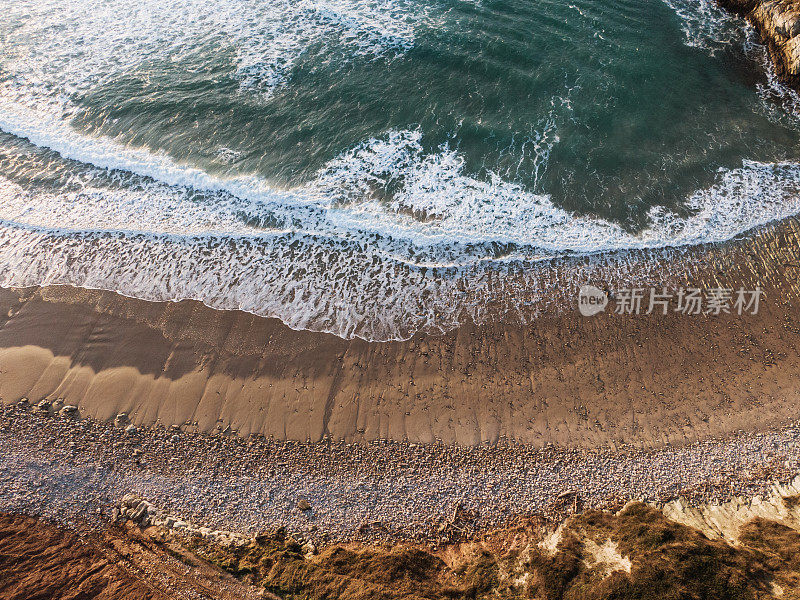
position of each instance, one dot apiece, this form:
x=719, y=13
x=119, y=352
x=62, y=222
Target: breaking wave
x=385, y=241
x=105, y=38
x=387, y=238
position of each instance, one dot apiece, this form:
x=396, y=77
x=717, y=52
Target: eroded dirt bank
x=636, y=552
x=42, y=560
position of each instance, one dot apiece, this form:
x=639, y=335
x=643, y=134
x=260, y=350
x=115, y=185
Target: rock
x=44, y=404
x=67, y=410
x=303, y=505
x=309, y=549
x=130, y=500
x=131, y=429
x=139, y=512
x=778, y=24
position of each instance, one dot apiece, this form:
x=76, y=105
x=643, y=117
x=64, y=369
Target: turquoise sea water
x=341, y=164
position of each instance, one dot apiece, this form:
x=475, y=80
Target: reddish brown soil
x=42, y=561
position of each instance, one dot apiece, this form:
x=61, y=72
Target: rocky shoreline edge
x=778, y=24
x=715, y=520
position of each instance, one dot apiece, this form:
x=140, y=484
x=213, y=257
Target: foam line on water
x=353, y=282
x=344, y=289
x=56, y=47
x=341, y=254
x=459, y=207
x=434, y=203
x=707, y=25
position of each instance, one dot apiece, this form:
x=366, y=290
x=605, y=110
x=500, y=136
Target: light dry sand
x=565, y=379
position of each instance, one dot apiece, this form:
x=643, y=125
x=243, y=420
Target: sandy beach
x=561, y=378
x=365, y=300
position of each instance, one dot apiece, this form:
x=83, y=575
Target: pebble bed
x=55, y=464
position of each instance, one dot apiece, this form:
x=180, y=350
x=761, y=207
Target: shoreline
x=778, y=25
x=556, y=378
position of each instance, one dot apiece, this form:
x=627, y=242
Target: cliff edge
x=778, y=24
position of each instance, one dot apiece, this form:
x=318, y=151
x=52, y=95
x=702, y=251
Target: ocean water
x=372, y=168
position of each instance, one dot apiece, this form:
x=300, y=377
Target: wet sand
x=643, y=380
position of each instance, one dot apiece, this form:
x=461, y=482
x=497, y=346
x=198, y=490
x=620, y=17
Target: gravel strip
x=66, y=468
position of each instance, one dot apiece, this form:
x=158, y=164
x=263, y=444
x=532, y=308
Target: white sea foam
x=386, y=240
x=67, y=46
x=780, y=102
x=433, y=202
x=707, y=25
x=459, y=207
x=335, y=255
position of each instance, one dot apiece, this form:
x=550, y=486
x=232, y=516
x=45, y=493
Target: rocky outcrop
x=144, y=514
x=726, y=520
x=778, y=24
x=743, y=549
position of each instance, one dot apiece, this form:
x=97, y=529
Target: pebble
x=65, y=469
x=68, y=409
x=309, y=549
